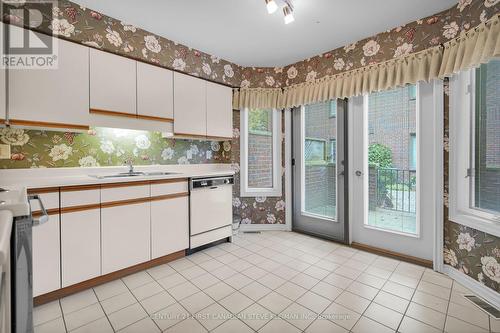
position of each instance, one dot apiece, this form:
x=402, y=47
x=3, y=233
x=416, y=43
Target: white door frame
x=432, y=174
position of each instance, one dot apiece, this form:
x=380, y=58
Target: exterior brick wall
x=260, y=160
x=391, y=121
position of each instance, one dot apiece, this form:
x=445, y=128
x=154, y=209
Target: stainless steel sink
x=134, y=174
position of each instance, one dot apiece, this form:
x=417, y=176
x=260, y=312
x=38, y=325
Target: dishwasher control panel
x=211, y=182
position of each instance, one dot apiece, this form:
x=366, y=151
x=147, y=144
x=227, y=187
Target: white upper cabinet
x=219, y=111
x=190, y=107
x=52, y=96
x=155, y=92
x=112, y=83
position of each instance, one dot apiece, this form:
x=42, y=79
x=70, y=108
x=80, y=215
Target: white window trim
x=462, y=97
x=276, y=190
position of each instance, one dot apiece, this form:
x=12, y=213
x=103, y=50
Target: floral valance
x=257, y=98
x=470, y=49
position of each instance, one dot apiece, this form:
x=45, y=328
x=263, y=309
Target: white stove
x=15, y=200
x=16, y=203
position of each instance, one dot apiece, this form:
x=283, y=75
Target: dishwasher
x=211, y=209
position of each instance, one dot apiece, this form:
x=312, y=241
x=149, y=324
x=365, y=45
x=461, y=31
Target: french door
x=319, y=164
x=394, y=168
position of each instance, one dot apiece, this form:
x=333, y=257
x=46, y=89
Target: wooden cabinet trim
x=43, y=190
x=124, y=202
x=75, y=188
x=168, y=181
x=80, y=208
x=125, y=184
x=112, y=113
x=170, y=196
x=20, y=122
x=155, y=118
x=50, y=211
x=208, y=137
x=60, y=293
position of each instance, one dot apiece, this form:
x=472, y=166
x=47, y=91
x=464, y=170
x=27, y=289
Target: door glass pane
x=392, y=160
x=320, y=151
x=486, y=178
x=260, y=148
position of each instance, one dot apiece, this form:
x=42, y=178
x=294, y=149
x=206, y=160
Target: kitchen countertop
x=55, y=177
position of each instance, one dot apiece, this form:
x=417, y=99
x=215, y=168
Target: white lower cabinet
x=125, y=236
x=80, y=246
x=169, y=226
x=46, y=256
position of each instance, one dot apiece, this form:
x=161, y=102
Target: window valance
x=470, y=49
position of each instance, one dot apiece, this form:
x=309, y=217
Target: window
x=260, y=156
x=391, y=159
x=333, y=108
x=412, y=92
x=333, y=151
x=413, y=151
x=315, y=151
x=475, y=148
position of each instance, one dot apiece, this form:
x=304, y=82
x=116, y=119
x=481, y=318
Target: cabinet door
x=80, y=246
x=219, y=110
x=155, y=92
x=56, y=96
x=46, y=256
x=169, y=226
x=126, y=234
x=112, y=83
x=190, y=108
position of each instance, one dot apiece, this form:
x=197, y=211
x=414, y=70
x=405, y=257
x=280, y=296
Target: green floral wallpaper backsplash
x=105, y=147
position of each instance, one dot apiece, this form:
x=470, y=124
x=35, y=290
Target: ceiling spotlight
x=288, y=14
x=271, y=6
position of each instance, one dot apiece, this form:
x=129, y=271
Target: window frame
x=462, y=150
x=276, y=189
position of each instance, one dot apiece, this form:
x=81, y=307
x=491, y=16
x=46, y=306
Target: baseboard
x=66, y=291
x=488, y=294
x=392, y=254
x=264, y=227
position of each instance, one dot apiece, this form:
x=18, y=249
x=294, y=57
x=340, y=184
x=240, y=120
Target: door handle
x=358, y=173
x=45, y=216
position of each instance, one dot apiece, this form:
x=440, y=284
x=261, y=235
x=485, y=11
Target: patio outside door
x=393, y=174
x=319, y=164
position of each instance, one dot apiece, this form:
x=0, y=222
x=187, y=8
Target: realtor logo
x=23, y=48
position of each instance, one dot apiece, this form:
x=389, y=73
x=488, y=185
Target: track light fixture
x=287, y=11
x=271, y=6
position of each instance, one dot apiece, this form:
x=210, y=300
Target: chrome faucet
x=130, y=165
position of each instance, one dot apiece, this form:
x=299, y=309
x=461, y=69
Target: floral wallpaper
x=474, y=253
x=471, y=251
x=105, y=147
x=83, y=25
x=255, y=210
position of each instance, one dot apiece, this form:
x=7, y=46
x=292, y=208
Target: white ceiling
x=243, y=32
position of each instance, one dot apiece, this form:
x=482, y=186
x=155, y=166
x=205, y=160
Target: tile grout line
x=102, y=308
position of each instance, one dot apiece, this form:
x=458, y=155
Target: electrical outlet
x=5, y=152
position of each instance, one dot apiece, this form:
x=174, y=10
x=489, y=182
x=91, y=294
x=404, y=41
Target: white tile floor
x=272, y=282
